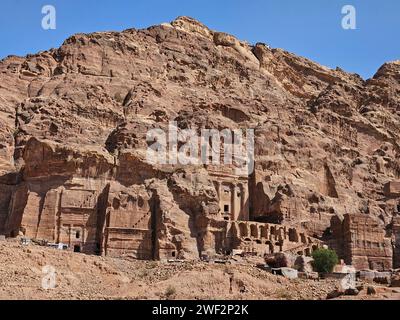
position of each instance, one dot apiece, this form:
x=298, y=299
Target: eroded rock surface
x=73, y=145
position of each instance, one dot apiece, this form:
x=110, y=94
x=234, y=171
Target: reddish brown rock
x=364, y=242
x=73, y=148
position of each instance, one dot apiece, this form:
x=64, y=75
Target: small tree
x=324, y=260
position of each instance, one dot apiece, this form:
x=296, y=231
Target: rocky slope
x=23, y=270
x=326, y=141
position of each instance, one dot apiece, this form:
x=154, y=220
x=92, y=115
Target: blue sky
x=310, y=28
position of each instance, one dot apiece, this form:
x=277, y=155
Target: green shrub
x=324, y=260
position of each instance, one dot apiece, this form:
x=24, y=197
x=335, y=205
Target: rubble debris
x=286, y=272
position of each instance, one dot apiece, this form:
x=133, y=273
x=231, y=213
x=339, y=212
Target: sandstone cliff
x=73, y=144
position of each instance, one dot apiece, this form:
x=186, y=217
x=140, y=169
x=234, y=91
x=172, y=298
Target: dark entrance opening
x=98, y=249
x=154, y=222
x=77, y=248
x=226, y=208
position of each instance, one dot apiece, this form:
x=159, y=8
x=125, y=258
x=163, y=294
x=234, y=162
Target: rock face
x=363, y=242
x=73, y=165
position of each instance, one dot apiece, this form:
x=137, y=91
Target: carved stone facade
x=68, y=214
x=362, y=242
x=103, y=216
x=392, y=189
x=77, y=219
x=396, y=241
x=128, y=229
x=264, y=238
x=233, y=194
x=237, y=229
x=93, y=221
x=73, y=144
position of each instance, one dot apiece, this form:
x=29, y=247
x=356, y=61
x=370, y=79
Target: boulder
x=334, y=294
x=280, y=260
x=395, y=281
x=286, y=272
x=351, y=292
x=308, y=275
x=371, y=290
x=304, y=263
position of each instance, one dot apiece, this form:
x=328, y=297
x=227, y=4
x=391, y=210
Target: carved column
x=233, y=200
